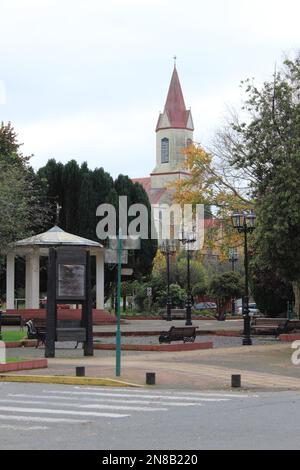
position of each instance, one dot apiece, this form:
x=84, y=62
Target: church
x=174, y=132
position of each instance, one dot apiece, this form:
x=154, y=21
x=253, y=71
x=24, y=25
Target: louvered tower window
x=165, y=150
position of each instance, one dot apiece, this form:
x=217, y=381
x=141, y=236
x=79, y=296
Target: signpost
x=69, y=281
x=118, y=332
x=117, y=254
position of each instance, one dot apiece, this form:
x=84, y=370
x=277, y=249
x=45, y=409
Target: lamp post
x=233, y=258
x=187, y=241
x=168, y=248
x=245, y=223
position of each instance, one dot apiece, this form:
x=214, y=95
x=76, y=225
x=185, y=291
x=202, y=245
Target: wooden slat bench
x=8, y=319
x=67, y=330
x=70, y=330
x=186, y=334
x=176, y=314
x=275, y=326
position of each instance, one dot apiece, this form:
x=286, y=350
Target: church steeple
x=174, y=133
x=175, y=115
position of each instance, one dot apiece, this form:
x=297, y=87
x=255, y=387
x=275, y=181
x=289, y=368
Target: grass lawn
x=15, y=359
x=12, y=336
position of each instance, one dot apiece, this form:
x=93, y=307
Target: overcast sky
x=86, y=79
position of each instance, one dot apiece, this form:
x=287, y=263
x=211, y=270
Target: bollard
x=236, y=381
x=80, y=371
x=150, y=378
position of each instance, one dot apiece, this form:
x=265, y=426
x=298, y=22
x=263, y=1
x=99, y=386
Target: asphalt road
x=36, y=416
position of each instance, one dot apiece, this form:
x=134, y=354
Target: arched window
x=165, y=150
x=189, y=142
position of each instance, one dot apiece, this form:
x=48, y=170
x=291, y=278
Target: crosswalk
x=38, y=409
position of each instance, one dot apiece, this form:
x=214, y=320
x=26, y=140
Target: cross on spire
x=175, y=59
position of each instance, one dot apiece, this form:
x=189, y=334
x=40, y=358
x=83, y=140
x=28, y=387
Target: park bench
x=293, y=325
x=274, y=326
x=67, y=330
x=176, y=314
x=36, y=329
x=9, y=319
x=186, y=334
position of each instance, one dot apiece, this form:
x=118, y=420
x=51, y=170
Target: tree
x=21, y=201
x=221, y=188
x=178, y=270
x=224, y=287
x=80, y=191
x=271, y=293
x=268, y=147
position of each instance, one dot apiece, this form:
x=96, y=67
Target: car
x=253, y=310
x=206, y=306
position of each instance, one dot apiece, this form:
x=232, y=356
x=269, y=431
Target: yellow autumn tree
x=222, y=190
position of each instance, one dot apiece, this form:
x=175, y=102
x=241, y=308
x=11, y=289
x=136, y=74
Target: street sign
x=127, y=272
x=111, y=256
x=129, y=243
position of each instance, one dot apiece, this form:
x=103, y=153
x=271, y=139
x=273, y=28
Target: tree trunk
x=296, y=289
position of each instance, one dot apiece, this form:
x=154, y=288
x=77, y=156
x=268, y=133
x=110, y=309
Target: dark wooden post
x=51, y=306
x=87, y=310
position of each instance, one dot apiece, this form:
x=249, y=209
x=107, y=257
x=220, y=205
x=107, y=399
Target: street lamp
x=245, y=223
x=168, y=248
x=233, y=258
x=187, y=241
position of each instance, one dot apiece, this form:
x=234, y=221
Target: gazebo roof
x=56, y=237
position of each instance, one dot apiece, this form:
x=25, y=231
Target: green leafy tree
x=267, y=146
x=271, y=293
x=197, y=272
x=22, y=207
x=224, y=287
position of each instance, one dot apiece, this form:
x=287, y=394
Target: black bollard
x=80, y=371
x=236, y=381
x=150, y=378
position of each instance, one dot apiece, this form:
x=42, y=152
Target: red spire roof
x=175, y=108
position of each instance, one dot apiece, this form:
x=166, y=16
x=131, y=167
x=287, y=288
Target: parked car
x=206, y=306
x=253, y=310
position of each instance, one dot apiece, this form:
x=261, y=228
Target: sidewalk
x=262, y=368
x=161, y=325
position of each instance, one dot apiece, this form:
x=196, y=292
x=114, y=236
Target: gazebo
x=33, y=249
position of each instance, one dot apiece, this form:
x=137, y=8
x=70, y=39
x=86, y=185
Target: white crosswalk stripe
x=105, y=400
x=87, y=405
x=11, y=427
x=152, y=397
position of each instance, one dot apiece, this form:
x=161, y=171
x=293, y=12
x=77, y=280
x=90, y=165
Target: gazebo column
x=10, y=281
x=32, y=281
x=100, y=280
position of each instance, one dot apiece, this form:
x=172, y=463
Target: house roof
x=56, y=237
x=154, y=195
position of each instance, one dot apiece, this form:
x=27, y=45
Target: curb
x=66, y=380
x=24, y=365
x=161, y=348
x=289, y=338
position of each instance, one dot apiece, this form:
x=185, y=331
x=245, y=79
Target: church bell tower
x=174, y=132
